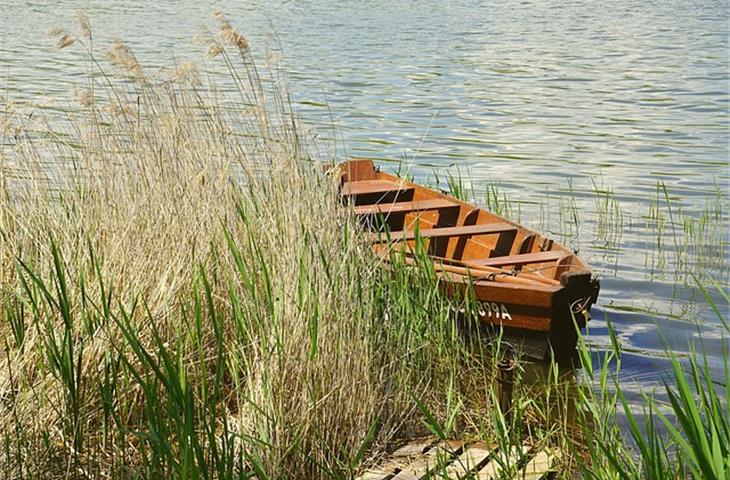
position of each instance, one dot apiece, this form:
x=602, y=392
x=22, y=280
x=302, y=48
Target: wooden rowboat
x=521, y=280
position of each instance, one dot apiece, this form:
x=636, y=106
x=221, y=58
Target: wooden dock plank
x=539, y=467
x=419, y=467
x=395, y=460
x=472, y=458
x=414, y=448
x=494, y=469
x=428, y=458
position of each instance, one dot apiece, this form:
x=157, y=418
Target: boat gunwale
x=579, y=265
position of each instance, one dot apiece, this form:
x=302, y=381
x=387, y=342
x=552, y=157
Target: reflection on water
x=605, y=125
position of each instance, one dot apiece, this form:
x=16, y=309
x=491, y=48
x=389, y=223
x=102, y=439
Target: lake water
x=575, y=113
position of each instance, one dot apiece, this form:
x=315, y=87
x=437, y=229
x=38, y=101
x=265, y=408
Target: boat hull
x=500, y=272
x=550, y=312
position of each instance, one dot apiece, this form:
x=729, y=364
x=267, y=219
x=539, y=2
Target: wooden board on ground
x=502, y=462
x=419, y=467
x=540, y=466
x=422, y=458
x=473, y=458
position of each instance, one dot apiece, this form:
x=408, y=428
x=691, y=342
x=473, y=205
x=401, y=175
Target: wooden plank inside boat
x=364, y=187
x=404, y=207
x=468, y=231
x=521, y=259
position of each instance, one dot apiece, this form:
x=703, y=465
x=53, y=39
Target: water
x=573, y=112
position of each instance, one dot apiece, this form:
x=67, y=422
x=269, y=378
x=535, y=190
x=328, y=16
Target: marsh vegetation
x=182, y=297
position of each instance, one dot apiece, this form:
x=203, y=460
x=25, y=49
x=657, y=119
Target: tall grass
x=183, y=297
x=687, y=438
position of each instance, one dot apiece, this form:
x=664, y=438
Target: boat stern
x=572, y=307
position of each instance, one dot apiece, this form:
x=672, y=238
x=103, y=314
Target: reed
x=182, y=297
x=688, y=438
x=681, y=437
x=609, y=217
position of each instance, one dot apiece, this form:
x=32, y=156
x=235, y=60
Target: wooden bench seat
x=367, y=187
x=521, y=259
x=405, y=207
x=464, y=231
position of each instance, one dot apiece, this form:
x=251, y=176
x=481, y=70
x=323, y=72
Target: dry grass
x=136, y=203
x=182, y=295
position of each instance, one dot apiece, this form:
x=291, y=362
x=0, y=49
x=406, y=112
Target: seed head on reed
x=55, y=31
x=234, y=38
x=229, y=34
x=186, y=72
x=119, y=110
x=214, y=49
x=203, y=37
x=83, y=96
x=120, y=56
x=65, y=41
x=84, y=24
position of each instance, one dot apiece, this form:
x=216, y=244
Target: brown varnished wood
x=563, y=266
x=469, y=219
x=405, y=207
x=519, y=278
x=358, y=169
x=475, y=272
x=521, y=259
x=494, y=274
x=449, y=232
x=527, y=243
x=364, y=187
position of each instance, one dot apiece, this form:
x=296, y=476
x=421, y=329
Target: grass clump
x=182, y=296
x=685, y=436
